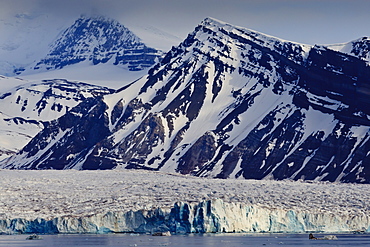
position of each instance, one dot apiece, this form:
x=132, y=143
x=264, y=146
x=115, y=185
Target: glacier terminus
x=115, y=201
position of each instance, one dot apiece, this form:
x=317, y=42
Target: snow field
x=49, y=193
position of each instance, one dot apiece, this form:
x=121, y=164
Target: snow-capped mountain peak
x=96, y=40
x=254, y=36
x=359, y=48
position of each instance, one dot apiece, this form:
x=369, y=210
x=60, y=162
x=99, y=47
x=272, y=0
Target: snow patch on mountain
x=104, y=75
x=359, y=48
x=25, y=38
x=154, y=37
x=25, y=109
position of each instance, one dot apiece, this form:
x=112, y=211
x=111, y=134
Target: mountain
x=359, y=48
x=26, y=104
x=227, y=102
x=96, y=40
x=27, y=108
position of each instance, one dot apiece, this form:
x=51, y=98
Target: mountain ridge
x=229, y=102
x=28, y=108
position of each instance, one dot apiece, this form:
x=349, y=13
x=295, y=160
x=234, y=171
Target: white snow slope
x=26, y=104
x=25, y=38
x=73, y=201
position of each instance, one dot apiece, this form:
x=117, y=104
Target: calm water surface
x=216, y=240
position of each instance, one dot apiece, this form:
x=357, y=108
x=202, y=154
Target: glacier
x=212, y=216
x=124, y=201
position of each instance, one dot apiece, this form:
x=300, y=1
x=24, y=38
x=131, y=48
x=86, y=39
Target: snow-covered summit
x=96, y=40
x=359, y=48
x=213, y=22
x=249, y=34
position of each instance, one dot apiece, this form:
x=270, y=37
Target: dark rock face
x=361, y=48
x=98, y=40
x=67, y=139
x=26, y=110
x=232, y=103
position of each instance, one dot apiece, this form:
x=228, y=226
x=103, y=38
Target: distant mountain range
x=227, y=102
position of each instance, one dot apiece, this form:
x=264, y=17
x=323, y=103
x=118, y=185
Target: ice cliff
x=70, y=201
x=211, y=216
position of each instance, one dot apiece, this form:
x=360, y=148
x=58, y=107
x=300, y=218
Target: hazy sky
x=305, y=21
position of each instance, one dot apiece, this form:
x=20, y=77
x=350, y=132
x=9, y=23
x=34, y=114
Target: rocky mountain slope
x=28, y=104
x=96, y=40
x=228, y=102
x=359, y=48
x=26, y=109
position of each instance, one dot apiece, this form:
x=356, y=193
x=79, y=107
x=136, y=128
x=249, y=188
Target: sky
x=28, y=27
x=304, y=21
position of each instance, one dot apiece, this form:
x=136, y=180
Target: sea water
x=215, y=240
